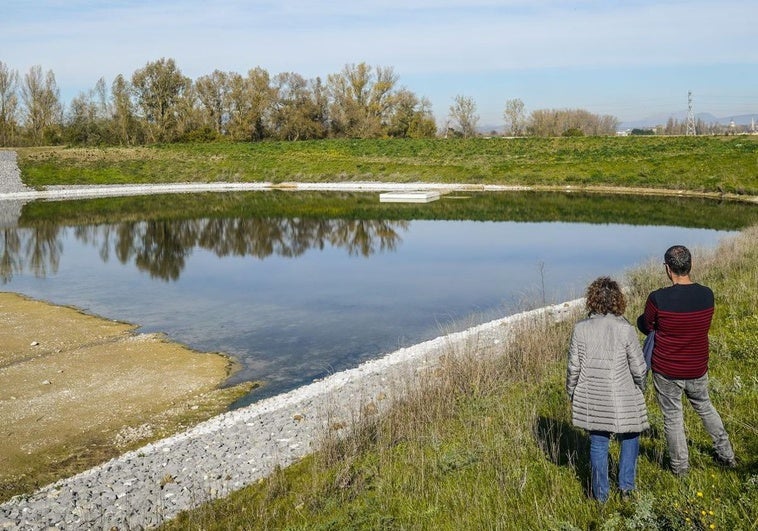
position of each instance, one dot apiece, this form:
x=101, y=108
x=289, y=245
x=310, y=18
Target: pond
x=299, y=285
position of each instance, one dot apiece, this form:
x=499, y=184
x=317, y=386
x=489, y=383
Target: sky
x=632, y=59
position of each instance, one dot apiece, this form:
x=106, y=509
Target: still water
x=294, y=299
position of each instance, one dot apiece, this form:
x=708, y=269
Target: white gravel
x=10, y=176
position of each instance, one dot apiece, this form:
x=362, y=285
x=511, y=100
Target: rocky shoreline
x=142, y=488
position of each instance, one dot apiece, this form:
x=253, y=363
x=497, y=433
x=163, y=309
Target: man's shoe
x=726, y=463
x=681, y=473
x=626, y=495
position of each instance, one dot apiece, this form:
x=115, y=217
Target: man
x=681, y=316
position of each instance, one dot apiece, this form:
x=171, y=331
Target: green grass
x=488, y=443
x=711, y=164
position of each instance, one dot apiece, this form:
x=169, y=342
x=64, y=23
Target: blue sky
x=631, y=59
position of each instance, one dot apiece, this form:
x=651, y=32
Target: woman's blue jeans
x=630, y=447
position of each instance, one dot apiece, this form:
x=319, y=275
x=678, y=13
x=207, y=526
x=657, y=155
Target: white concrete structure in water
x=409, y=197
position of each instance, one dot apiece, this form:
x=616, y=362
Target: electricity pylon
x=690, y=116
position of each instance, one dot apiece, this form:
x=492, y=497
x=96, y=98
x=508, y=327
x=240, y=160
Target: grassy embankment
x=489, y=443
x=699, y=164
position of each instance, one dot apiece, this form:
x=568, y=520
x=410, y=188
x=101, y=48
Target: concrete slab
x=409, y=197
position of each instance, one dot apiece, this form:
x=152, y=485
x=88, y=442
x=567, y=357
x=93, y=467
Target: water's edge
x=235, y=449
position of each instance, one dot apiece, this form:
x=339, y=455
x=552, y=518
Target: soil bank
x=77, y=389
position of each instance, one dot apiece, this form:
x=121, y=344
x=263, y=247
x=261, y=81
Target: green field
x=710, y=164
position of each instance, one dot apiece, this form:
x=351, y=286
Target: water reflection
x=160, y=248
x=36, y=250
x=298, y=286
x=158, y=233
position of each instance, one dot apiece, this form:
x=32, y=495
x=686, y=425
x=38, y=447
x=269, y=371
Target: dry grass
x=82, y=155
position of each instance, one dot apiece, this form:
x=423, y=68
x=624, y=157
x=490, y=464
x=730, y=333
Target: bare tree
x=158, y=87
x=297, y=113
x=8, y=104
x=380, y=104
x=349, y=95
x=213, y=92
x=423, y=124
x=250, y=104
x=263, y=96
x=411, y=117
x=88, y=117
x=463, y=113
x=514, y=116
x=124, y=122
x=41, y=98
x=557, y=122
x=343, y=108
x=190, y=122
x=361, y=100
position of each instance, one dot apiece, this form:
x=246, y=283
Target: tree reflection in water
x=37, y=250
x=161, y=248
x=158, y=232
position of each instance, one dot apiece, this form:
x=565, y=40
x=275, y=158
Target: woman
x=605, y=379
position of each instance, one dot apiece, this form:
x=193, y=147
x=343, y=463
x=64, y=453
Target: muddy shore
x=77, y=389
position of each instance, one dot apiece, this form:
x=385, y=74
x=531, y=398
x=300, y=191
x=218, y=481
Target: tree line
x=160, y=104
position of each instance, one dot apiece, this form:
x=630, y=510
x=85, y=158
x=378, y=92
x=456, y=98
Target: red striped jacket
x=681, y=317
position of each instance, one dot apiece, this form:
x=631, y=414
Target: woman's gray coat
x=606, y=375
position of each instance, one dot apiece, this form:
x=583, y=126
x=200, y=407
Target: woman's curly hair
x=604, y=296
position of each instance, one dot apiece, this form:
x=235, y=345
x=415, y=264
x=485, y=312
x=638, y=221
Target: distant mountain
x=742, y=119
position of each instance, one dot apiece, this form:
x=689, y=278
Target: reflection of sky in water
x=291, y=320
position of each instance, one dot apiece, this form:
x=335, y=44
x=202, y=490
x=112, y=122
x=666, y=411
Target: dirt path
x=76, y=389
